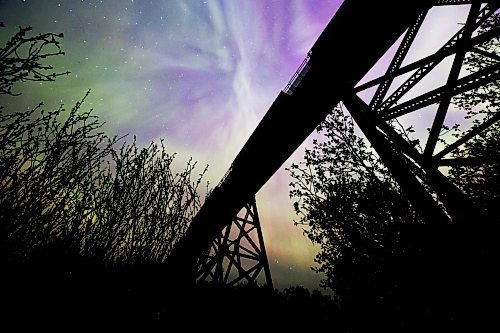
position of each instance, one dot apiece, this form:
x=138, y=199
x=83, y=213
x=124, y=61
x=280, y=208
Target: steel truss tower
x=355, y=39
x=238, y=254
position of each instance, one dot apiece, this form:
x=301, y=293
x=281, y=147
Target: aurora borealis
x=200, y=74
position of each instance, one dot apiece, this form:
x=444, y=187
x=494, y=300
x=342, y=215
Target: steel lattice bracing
x=238, y=254
x=458, y=41
x=354, y=40
x=384, y=108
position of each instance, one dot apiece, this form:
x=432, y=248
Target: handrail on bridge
x=298, y=75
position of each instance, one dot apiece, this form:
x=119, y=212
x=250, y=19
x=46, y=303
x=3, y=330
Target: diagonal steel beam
x=469, y=82
x=466, y=137
x=460, y=40
x=486, y=54
x=396, y=163
x=263, y=154
x=452, y=81
x=438, y=56
x=458, y=206
x=398, y=59
x=470, y=161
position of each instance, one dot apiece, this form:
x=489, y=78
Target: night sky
x=200, y=74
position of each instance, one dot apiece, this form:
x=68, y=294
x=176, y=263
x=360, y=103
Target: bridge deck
x=353, y=41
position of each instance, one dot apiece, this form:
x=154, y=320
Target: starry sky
x=200, y=74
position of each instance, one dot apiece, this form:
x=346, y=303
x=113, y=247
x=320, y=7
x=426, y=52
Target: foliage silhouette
x=385, y=265
x=480, y=182
x=347, y=199
x=85, y=219
x=66, y=187
x=355, y=211
x=22, y=58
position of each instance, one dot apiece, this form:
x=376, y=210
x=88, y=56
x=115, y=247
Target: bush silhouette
x=387, y=266
x=66, y=185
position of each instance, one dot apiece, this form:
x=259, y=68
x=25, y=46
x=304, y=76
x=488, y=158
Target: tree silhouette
x=350, y=206
x=66, y=187
x=22, y=58
x=381, y=260
x=480, y=181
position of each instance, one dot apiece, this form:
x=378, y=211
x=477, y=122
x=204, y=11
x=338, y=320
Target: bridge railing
x=298, y=75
